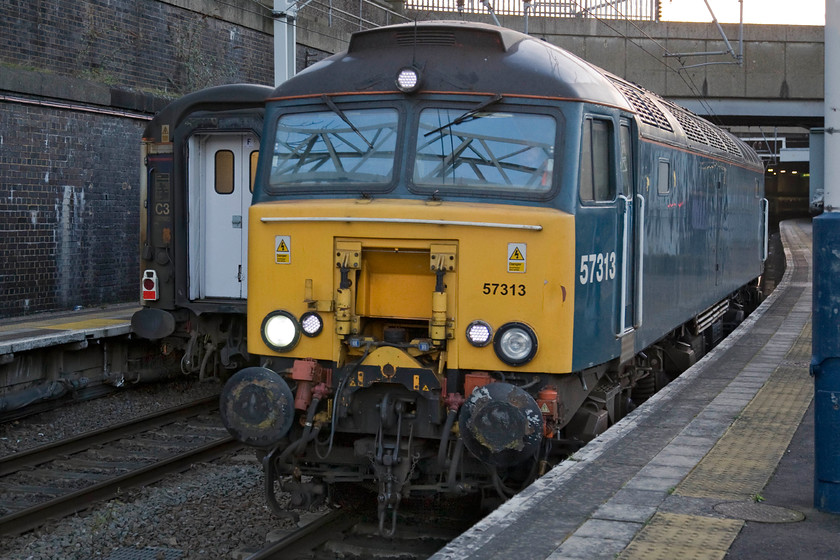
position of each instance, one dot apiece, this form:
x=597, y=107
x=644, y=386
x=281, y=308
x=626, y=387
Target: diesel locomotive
x=469, y=253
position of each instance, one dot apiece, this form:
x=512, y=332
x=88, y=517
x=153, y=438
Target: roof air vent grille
x=428, y=37
x=645, y=107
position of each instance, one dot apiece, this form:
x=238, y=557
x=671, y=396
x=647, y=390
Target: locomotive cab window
x=224, y=172
x=596, y=178
x=489, y=151
x=334, y=150
x=626, y=160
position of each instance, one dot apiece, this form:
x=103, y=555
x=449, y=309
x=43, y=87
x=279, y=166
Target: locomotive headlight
x=311, y=323
x=280, y=331
x=479, y=333
x=408, y=79
x=515, y=344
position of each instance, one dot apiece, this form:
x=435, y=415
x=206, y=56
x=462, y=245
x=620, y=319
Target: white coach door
x=227, y=166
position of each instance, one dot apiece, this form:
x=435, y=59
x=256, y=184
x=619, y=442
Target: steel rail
x=309, y=536
x=35, y=516
x=48, y=452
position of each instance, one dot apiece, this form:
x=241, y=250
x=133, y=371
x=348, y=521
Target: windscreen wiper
x=335, y=109
x=468, y=115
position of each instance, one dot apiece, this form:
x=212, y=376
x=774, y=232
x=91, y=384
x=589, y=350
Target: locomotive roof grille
x=696, y=129
x=690, y=127
x=731, y=146
x=646, y=108
x=713, y=137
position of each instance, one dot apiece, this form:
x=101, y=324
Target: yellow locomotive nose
x=386, y=281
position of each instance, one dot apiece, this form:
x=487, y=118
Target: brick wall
x=69, y=209
x=141, y=44
x=69, y=160
x=78, y=81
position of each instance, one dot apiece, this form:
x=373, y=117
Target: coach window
x=224, y=172
x=596, y=182
x=663, y=179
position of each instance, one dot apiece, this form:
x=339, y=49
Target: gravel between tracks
x=211, y=511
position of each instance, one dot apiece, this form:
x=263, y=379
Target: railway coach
x=470, y=252
x=199, y=164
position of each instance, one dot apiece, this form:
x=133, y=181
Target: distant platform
x=52, y=329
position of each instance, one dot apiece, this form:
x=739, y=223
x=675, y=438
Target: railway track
x=69, y=475
x=354, y=533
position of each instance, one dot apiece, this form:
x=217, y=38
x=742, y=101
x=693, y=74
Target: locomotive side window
x=596, y=184
x=224, y=172
x=663, y=180
x=490, y=150
x=626, y=161
x=253, y=172
x=322, y=148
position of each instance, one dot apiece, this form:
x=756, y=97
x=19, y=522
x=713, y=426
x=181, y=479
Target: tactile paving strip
x=744, y=459
x=688, y=537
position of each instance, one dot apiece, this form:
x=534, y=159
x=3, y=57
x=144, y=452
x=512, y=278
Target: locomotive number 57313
x=598, y=267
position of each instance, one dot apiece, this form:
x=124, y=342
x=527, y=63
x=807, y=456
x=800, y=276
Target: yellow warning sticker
x=517, y=257
x=282, y=249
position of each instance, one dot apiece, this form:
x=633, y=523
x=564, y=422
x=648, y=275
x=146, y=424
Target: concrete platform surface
x=51, y=329
x=719, y=464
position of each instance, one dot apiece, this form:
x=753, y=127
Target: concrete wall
x=780, y=62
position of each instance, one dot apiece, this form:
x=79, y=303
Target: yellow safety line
x=81, y=325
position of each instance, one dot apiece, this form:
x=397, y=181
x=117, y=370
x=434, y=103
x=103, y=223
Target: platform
x=51, y=329
x=690, y=473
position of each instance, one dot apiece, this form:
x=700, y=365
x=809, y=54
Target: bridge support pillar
x=825, y=361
